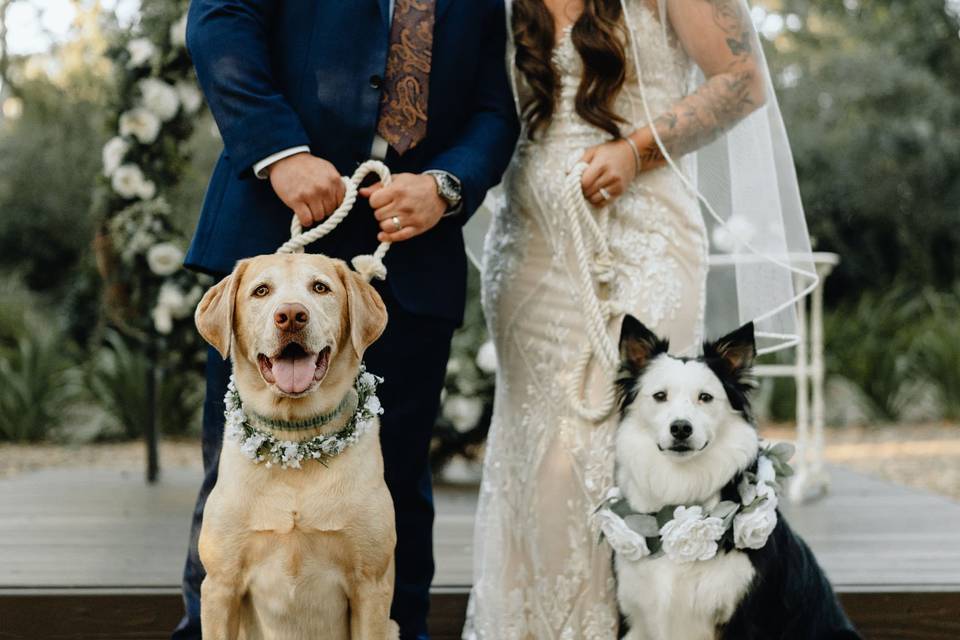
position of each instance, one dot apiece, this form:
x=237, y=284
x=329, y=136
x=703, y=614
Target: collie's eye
x=261, y=291
x=319, y=287
x=660, y=396
x=706, y=397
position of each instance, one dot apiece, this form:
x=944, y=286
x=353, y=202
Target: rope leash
x=369, y=266
x=595, y=274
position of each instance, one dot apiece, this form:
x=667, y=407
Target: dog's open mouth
x=294, y=369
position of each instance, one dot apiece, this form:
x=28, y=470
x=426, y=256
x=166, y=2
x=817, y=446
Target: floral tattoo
x=721, y=102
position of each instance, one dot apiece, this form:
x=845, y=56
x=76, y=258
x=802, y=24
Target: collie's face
x=685, y=406
x=681, y=405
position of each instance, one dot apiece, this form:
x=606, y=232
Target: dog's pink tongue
x=294, y=375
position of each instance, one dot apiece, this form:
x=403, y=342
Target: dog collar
x=743, y=519
x=252, y=433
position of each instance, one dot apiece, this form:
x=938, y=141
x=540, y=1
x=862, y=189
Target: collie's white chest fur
x=664, y=600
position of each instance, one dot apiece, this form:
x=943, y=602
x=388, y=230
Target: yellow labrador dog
x=297, y=554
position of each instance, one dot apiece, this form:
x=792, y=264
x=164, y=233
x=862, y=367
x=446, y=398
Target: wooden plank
x=150, y=614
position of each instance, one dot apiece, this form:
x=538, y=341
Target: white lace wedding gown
x=540, y=572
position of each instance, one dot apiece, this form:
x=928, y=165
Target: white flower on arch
x=128, y=181
x=159, y=98
x=141, y=52
x=113, y=153
x=164, y=259
x=140, y=123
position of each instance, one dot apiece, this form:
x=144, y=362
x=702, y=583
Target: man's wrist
x=450, y=190
x=262, y=168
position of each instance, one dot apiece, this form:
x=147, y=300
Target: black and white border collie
x=686, y=437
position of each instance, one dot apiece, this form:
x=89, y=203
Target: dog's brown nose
x=291, y=316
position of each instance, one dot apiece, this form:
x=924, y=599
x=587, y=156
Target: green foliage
x=884, y=342
x=871, y=98
x=35, y=387
x=48, y=160
x=117, y=380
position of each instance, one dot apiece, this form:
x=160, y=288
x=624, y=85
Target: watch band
x=449, y=189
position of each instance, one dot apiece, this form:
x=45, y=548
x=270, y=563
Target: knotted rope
x=369, y=266
x=593, y=278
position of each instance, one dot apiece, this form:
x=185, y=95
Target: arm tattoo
x=721, y=102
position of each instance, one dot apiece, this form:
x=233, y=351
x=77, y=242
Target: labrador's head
x=292, y=319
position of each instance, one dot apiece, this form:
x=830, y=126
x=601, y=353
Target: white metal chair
x=811, y=479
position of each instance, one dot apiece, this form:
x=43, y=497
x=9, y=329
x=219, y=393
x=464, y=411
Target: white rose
x=373, y=405
x=627, y=543
x=487, y=357
x=690, y=536
x=129, y=182
x=141, y=52
x=462, y=412
x=162, y=320
x=765, y=470
x=164, y=258
x=113, y=153
x=190, y=96
x=747, y=491
x=178, y=32
x=140, y=123
x=159, y=98
x=751, y=530
x=179, y=303
x=766, y=491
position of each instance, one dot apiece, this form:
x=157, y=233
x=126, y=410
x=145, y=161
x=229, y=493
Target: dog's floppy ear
x=366, y=311
x=638, y=345
x=738, y=348
x=214, y=314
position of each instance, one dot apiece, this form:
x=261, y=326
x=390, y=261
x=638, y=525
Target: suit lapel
x=385, y=12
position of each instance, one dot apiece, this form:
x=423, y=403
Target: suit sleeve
x=228, y=41
x=480, y=154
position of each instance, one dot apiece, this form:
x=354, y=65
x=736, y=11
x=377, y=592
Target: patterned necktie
x=403, y=108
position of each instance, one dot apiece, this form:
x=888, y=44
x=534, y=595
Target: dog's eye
x=261, y=291
x=660, y=396
x=319, y=287
x=706, y=397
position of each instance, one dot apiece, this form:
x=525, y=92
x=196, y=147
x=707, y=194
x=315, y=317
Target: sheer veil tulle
x=761, y=262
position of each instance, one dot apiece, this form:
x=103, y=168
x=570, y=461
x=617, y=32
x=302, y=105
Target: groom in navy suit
x=303, y=91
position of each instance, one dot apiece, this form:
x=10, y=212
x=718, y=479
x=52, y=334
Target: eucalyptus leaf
x=645, y=525
x=782, y=450
x=723, y=509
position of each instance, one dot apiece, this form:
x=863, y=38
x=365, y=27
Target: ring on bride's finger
x=604, y=193
x=396, y=223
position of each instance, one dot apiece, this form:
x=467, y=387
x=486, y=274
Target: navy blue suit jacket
x=283, y=73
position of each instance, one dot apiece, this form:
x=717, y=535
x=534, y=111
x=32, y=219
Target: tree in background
x=870, y=91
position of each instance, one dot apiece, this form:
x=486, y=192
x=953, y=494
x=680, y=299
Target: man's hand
x=309, y=185
x=611, y=167
x=411, y=200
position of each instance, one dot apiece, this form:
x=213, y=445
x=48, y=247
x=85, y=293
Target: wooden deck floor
x=86, y=532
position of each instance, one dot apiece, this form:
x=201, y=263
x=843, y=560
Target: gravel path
x=922, y=456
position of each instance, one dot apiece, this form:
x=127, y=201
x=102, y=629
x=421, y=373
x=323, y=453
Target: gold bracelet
x=636, y=153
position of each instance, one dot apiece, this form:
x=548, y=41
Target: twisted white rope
x=594, y=274
x=369, y=266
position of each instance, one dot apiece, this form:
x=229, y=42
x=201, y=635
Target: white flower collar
x=692, y=533
x=262, y=446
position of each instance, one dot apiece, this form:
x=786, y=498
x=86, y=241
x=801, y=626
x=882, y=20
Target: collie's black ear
x=738, y=348
x=638, y=345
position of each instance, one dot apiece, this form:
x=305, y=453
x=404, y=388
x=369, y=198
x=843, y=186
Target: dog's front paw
x=393, y=631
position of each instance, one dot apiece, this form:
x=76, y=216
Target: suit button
x=376, y=82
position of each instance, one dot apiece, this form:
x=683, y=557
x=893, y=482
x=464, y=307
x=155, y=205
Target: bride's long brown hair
x=597, y=36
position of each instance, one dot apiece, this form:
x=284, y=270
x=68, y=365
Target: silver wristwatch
x=448, y=188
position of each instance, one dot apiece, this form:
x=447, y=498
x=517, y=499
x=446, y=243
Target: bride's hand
x=610, y=167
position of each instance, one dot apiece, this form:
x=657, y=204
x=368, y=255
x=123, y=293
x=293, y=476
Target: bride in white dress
x=540, y=571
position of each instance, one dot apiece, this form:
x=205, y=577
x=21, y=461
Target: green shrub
x=117, y=380
x=35, y=388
